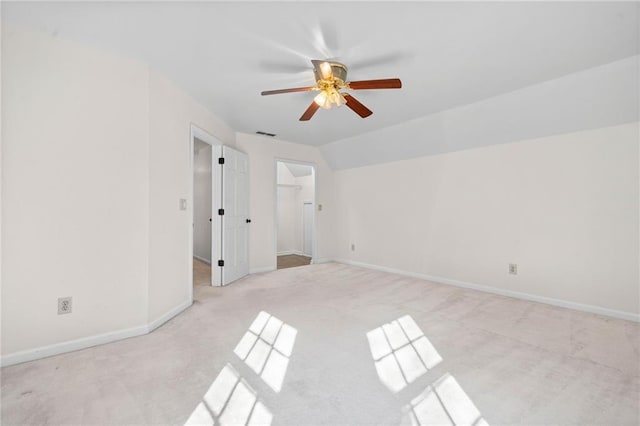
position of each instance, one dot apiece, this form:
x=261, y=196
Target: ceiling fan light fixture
x=331, y=78
x=329, y=97
x=323, y=100
x=337, y=99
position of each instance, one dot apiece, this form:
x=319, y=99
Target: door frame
x=216, y=189
x=313, y=231
x=314, y=173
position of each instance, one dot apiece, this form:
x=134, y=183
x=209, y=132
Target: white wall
x=75, y=190
x=171, y=113
x=304, y=194
x=96, y=154
x=263, y=153
x=286, y=201
x=285, y=177
x=286, y=220
x=202, y=213
x=565, y=208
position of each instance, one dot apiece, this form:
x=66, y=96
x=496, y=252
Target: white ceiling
x=446, y=53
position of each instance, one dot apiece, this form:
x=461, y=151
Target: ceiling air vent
x=260, y=132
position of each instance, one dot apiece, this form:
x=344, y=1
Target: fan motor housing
x=339, y=71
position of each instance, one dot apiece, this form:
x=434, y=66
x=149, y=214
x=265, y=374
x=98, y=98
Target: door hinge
x=220, y=262
x=221, y=212
x=221, y=160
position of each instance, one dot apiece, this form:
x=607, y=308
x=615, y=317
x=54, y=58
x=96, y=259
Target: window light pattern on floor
x=266, y=348
x=230, y=401
x=402, y=353
x=443, y=403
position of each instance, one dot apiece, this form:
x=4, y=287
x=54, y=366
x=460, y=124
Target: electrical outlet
x=353, y=247
x=64, y=305
x=319, y=207
x=513, y=269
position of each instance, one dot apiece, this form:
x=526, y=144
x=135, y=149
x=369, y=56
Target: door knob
x=248, y=220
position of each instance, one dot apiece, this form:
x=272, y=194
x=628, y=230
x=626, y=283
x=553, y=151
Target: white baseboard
x=167, y=316
x=316, y=261
x=87, y=342
x=71, y=345
x=629, y=316
x=99, y=339
x=288, y=252
x=262, y=269
x=202, y=259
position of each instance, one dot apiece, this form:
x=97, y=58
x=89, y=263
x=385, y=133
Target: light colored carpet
x=337, y=345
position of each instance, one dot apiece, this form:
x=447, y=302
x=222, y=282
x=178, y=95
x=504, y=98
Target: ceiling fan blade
x=309, y=112
x=357, y=107
x=296, y=89
x=387, y=83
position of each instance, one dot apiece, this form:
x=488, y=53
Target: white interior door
x=235, y=220
x=307, y=229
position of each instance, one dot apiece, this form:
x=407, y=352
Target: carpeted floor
x=333, y=344
x=292, y=260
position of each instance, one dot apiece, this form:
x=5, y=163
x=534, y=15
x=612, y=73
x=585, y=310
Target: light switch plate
x=183, y=203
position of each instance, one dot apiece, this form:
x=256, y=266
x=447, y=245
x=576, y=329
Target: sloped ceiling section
x=448, y=54
x=603, y=96
x=474, y=73
x=299, y=170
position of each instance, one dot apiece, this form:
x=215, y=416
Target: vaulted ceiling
x=447, y=54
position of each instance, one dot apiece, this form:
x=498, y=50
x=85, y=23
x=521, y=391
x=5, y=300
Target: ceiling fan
x=331, y=77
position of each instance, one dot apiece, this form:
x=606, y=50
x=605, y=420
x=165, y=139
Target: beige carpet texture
x=332, y=344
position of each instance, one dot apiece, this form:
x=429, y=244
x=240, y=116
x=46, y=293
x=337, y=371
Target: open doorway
x=202, y=212
x=204, y=227
x=295, y=212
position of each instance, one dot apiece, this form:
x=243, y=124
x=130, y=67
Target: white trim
x=202, y=259
x=262, y=269
x=288, y=252
x=319, y=260
x=71, y=345
x=629, y=316
x=90, y=341
x=167, y=316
